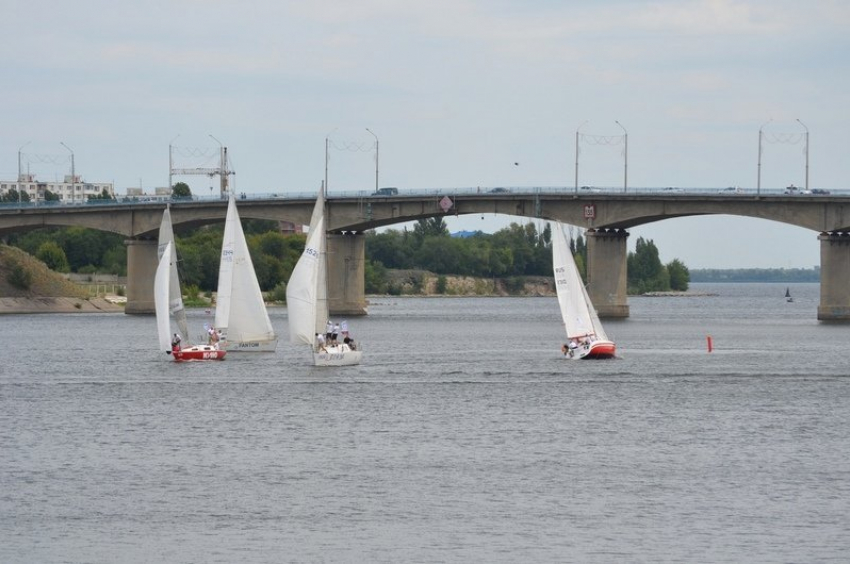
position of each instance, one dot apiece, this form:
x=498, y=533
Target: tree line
x=510, y=253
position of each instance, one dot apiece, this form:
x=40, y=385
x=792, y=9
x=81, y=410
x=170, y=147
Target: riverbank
x=12, y=306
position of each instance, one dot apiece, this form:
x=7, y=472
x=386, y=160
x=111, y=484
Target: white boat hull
x=341, y=355
x=251, y=346
x=596, y=349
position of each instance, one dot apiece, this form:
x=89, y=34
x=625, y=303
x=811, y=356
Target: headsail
x=306, y=291
x=175, y=296
x=161, y=284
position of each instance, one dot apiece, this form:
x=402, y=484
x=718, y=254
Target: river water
x=463, y=437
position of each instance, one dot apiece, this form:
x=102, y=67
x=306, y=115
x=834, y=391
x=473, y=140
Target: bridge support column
x=606, y=271
x=834, y=275
x=141, y=270
x=346, y=274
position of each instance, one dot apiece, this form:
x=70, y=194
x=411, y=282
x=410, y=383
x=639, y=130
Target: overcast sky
x=456, y=91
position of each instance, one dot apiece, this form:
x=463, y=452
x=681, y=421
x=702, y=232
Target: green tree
x=104, y=195
x=430, y=227
x=442, y=284
x=181, y=190
x=19, y=276
x=375, y=277
x=50, y=196
x=53, y=256
x=12, y=195
x=680, y=277
x=645, y=271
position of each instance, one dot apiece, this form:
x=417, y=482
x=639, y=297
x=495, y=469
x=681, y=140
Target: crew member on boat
x=213, y=340
x=175, y=343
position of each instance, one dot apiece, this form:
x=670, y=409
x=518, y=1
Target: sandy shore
x=58, y=305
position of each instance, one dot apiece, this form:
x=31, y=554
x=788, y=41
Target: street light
x=625, y=157
x=20, y=173
x=376, y=158
x=327, y=142
x=577, y=136
x=807, y=153
x=171, y=163
x=73, y=173
x=761, y=135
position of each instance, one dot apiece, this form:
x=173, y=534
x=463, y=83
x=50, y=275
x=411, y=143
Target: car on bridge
x=390, y=191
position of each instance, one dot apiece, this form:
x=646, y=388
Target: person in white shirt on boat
x=320, y=341
x=213, y=340
x=175, y=342
x=335, y=333
x=329, y=331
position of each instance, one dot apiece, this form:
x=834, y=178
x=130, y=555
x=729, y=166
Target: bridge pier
x=141, y=270
x=607, y=255
x=834, y=274
x=346, y=274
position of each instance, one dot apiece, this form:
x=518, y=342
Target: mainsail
x=240, y=309
x=577, y=311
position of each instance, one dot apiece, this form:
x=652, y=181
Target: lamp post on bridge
x=807, y=153
x=578, y=129
x=625, y=157
x=758, y=176
x=73, y=173
x=376, y=158
x=20, y=173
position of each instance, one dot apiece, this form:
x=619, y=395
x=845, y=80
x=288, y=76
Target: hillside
x=43, y=290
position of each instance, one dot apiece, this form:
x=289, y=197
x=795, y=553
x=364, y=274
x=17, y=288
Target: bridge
x=606, y=214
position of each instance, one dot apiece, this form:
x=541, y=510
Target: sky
x=457, y=93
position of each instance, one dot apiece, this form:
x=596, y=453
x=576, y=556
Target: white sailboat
x=240, y=311
x=306, y=298
x=585, y=336
x=168, y=300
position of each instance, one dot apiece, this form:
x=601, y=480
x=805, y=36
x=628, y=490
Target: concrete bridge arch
x=606, y=216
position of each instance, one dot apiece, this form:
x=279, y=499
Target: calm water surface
x=464, y=437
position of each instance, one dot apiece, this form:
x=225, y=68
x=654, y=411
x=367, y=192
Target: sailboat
x=169, y=302
x=788, y=297
x=585, y=336
x=240, y=311
x=307, y=298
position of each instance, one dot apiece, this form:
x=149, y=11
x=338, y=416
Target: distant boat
x=169, y=303
x=240, y=312
x=307, y=302
x=585, y=336
x=788, y=297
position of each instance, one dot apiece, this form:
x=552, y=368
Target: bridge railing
x=437, y=192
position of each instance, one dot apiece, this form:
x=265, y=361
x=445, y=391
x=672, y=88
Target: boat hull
x=198, y=352
x=337, y=356
x=596, y=350
x=251, y=346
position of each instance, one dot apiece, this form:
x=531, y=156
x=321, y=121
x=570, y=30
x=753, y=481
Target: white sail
x=579, y=316
x=306, y=291
x=175, y=297
x=161, y=284
x=240, y=309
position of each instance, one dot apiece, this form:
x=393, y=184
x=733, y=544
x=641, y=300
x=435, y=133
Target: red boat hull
x=601, y=349
x=198, y=352
x=594, y=350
